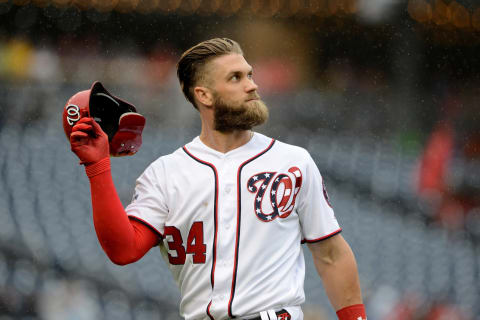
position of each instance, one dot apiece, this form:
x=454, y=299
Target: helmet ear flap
x=128, y=138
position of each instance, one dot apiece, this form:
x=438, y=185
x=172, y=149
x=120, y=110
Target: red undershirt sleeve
x=123, y=240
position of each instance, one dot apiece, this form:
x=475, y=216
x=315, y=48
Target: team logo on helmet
x=282, y=190
x=73, y=114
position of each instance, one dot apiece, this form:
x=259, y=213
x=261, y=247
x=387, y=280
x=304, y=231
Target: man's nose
x=251, y=85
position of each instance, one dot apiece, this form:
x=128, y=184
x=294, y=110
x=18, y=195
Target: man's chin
x=250, y=114
x=261, y=111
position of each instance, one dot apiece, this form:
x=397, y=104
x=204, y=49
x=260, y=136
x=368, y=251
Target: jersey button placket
x=227, y=215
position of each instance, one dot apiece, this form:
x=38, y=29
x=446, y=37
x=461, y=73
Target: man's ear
x=203, y=95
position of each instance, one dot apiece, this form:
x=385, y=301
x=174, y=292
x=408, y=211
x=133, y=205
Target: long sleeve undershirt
x=124, y=240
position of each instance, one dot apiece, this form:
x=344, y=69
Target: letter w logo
x=281, y=194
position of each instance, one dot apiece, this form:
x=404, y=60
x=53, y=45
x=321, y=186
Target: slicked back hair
x=190, y=67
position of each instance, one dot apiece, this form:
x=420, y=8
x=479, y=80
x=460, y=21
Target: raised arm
x=336, y=265
x=123, y=240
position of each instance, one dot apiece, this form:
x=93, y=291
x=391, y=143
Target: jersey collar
x=256, y=143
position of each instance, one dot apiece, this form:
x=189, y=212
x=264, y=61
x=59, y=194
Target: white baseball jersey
x=232, y=224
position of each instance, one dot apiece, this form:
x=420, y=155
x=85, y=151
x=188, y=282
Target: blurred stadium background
x=382, y=92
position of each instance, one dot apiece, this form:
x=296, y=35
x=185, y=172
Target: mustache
x=253, y=96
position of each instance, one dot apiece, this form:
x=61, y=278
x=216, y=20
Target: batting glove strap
x=354, y=312
x=98, y=167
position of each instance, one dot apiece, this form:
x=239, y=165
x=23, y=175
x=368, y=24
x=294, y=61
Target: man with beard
x=230, y=209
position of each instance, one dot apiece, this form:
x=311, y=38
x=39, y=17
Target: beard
x=229, y=117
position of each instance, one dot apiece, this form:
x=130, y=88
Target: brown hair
x=190, y=67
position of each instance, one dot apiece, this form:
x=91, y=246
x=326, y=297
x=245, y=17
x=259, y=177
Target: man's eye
x=250, y=76
x=234, y=78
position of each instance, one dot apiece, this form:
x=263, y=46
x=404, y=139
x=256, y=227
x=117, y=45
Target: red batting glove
x=89, y=142
x=355, y=312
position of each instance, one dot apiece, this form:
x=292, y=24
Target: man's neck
x=225, y=141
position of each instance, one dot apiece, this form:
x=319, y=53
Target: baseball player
x=230, y=209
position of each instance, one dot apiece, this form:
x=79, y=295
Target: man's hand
x=89, y=142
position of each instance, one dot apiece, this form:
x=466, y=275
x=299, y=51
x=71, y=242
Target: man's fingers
x=96, y=128
x=88, y=124
x=78, y=136
x=82, y=127
x=85, y=120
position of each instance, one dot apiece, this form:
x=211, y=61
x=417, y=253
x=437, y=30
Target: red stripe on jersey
x=208, y=310
x=146, y=224
x=237, y=240
x=214, y=249
x=323, y=238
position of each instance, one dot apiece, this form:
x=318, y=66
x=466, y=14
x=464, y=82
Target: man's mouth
x=253, y=98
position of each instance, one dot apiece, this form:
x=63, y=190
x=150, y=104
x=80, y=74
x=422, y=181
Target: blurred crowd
x=29, y=291
x=389, y=138
x=80, y=62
